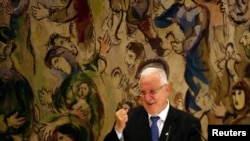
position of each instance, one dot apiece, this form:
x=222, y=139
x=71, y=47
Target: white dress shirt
x=161, y=121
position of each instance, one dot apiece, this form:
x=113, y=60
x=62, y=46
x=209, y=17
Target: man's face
x=83, y=90
x=5, y=51
x=245, y=39
x=130, y=59
x=224, y=7
x=153, y=94
x=238, y=9
x=238, y=99
x=61, y=64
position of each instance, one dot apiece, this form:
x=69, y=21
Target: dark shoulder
x=183, y=115
x=137, y=110
x=134, y=112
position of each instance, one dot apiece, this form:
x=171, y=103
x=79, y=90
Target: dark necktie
x=154, y=128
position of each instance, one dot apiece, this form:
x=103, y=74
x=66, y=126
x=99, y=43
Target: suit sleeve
x=195, y=132
x=111, y=136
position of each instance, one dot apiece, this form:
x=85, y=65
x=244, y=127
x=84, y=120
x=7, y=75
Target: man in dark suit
x=173, y=124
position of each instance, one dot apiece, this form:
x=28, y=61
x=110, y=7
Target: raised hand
x=121, y=118
x=39, y=12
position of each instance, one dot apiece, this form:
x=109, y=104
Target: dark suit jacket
x=180, y=126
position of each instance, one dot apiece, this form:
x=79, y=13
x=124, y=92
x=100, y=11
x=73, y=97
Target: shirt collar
x=163, y=114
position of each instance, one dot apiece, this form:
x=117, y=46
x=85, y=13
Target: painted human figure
x=83, y=90
x=192, y=19
x=241, y=104
x=138, y=16
x=16, y=95
x=245, y=42
x=77, y=11
x=239, y=110
x=68, y=132
x=135, y=54
x=65, y=100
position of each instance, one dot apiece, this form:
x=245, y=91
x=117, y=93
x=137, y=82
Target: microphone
x=168, y=133
x=199, y=132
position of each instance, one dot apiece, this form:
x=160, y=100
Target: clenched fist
x=121, y=117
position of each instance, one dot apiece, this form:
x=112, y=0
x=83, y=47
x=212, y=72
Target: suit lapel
x=143, y=126
x=168, y=128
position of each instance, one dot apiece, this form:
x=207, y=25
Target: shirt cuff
x=119, y=135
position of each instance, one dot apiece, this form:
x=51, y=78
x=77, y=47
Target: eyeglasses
x=152, y=91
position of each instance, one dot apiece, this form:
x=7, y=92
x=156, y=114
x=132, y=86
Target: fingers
x=221, y=103
x=121, y=119
x=121, y=114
